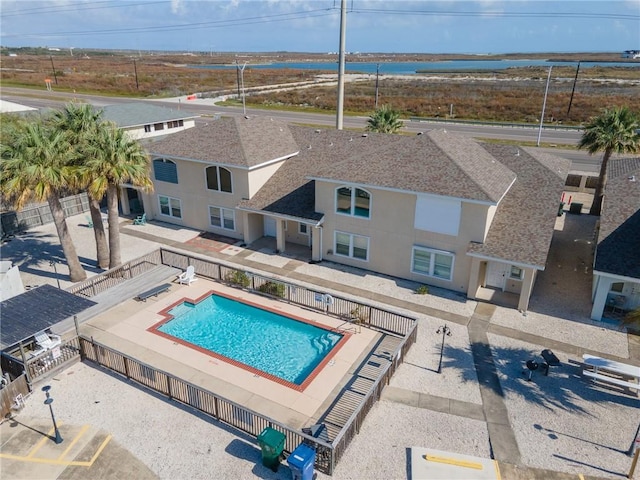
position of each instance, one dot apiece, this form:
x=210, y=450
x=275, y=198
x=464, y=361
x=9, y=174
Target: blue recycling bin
x=301, y=462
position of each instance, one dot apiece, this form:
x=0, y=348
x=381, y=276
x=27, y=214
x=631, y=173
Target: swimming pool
x=288, y=350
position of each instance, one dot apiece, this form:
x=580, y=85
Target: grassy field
x=511, y=95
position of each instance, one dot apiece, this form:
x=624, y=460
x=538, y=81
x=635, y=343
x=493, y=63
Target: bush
x=422, y=290
x=238, y=277
x=273, y=288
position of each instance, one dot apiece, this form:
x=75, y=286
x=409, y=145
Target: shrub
x=359, y=315
x=422, y=290
x=238, y=277
x=273, y=288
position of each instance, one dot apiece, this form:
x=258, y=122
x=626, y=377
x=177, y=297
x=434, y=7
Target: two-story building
x=436, y=208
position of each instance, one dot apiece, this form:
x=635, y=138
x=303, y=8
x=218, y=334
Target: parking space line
x=497, y=467
x=74, y=441
x=41, y=442
x=454, y=461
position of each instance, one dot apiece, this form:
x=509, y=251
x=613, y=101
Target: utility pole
x=575, y=80
x=544, y=104
x=54, y=69
x=377, y=75
x=244, y=108
x=135, y=69
x=343, y=34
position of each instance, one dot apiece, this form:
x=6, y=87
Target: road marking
x=453, y=461
x=75, y=440
x=41, y=442
x=53, y=461
x=497, y=467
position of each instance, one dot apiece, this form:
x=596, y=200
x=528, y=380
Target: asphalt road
x=581, y=160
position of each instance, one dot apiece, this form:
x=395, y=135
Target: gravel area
x=589, y=335
x=177, y=443
x=562, y=421
x=418, y=372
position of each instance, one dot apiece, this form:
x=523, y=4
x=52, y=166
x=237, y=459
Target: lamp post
x=53, y=264
x=446, y=332
x=49, y=401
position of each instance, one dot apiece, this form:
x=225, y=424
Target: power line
x=77, y=7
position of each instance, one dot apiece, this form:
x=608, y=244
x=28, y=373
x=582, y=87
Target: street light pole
x=377, y=75
x=49, y=401
x=446, y=332
x=544, y=104
x=53, y=264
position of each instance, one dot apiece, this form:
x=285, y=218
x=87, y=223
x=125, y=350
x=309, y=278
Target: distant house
x=631, y=54
x=438, y=208
x=144, y=120
x=616, y=271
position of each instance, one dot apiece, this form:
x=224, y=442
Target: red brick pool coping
x=300, y=388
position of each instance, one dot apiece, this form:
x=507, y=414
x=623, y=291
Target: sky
x=372, y=26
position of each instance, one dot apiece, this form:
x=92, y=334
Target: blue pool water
x=272, y=343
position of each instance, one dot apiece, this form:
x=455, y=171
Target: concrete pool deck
x=126, y=329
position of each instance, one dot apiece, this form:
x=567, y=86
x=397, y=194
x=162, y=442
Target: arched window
x=219, y=178
x=165, y=170
x=353, y=201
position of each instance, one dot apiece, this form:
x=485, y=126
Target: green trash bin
x=272, y=444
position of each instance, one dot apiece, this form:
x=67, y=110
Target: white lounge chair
x=188, y=276
x=47, y=341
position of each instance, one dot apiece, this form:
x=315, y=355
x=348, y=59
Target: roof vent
x=365, y=135
x=309, y=147
x=318, y=131
x=331, y=144
x=632, y=178
x=517, y=152
x=247, y=117
x=351, y=139
x=420, y=133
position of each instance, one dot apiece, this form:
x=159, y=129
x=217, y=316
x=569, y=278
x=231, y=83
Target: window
x=433, y=263
x=170, y=206
x=158, y=126
x=617, y=287
x=175, y=124
x=302, y=229
x=147, y=128
x=219, y=178
x=353, y=201
x=165, y=170
x=516, y=273
x=222, y=218
x=350, y=245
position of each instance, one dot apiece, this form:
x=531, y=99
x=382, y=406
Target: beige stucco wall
x=292, y=235
x=195, y=198
x=392, y=234
x=259, y=176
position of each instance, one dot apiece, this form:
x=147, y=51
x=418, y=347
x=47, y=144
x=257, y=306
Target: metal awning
x=40, y=308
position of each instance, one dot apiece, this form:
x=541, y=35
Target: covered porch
x=283, y=235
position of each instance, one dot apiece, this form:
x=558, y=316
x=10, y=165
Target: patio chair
x=140, y=220
x=47, y=341
x=188, y=276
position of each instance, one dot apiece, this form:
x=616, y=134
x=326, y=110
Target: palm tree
x=616, y=130
x=80, y=122
x=114, y=158
x=384, y=120
x=36, y=165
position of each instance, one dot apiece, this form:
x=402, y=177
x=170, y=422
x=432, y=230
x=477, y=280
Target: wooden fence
x=40, y=214
x=206, y=402
x=10, y=393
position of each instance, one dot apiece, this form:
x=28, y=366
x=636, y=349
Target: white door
x=496, y=275
x=269, y=227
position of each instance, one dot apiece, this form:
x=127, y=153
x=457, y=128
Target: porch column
x=527, y=287
x=603, y=286
x=316, y=243
x=281, y=235
x=124, y=200
x=474, y=278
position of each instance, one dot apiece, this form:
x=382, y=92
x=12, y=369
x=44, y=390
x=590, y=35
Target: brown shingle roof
x=618, y=250
x=439, y=162
x=522, y=227
x=235, y=141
